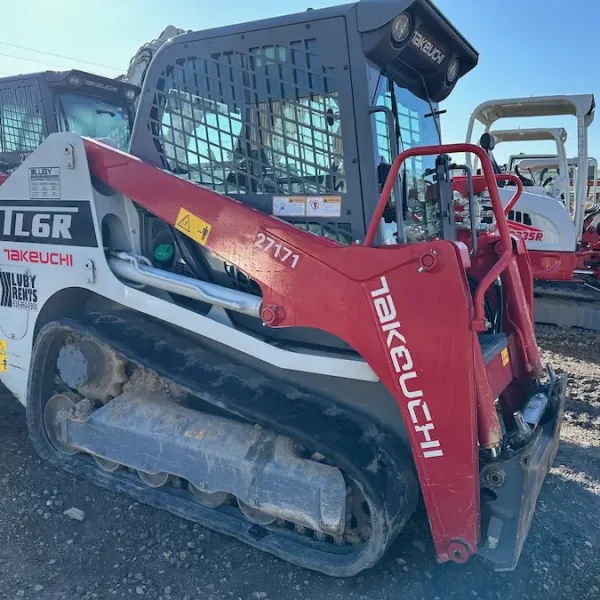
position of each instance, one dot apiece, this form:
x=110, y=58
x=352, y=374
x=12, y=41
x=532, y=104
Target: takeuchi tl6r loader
x=559, y=224
x=35, y=105
x=232, y=323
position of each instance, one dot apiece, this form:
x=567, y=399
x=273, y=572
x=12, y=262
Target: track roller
x=209, y=499
x=106, y=465
x=153, y=480
x=58, y=406
x=254, y=515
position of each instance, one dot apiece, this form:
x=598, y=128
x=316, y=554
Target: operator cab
x=301, y=117
x=543, y=170
x=35, y=105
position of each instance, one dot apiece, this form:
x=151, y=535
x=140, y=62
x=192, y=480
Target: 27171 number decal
x=277, y=250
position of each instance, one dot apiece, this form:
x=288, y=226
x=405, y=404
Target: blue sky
x=527, y=47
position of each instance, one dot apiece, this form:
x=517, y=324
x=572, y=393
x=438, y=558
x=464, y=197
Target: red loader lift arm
x=385, y=302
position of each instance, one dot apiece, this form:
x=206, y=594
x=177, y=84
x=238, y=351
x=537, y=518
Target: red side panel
x=552, y=266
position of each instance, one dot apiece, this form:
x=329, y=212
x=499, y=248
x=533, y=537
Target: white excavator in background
x=543, y=168
x=561, y=232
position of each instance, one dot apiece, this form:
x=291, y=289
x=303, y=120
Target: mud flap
x=512, y=486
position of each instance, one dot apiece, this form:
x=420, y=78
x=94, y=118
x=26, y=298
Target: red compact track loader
x=263, y=319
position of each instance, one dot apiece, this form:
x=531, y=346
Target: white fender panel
x=547, y=215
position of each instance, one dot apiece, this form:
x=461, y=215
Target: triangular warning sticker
x=193, y=226
x=185, y=223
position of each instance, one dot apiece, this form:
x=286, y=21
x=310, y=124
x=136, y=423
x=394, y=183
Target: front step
x=492, y=344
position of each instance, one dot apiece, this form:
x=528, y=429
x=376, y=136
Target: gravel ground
x=125, y=550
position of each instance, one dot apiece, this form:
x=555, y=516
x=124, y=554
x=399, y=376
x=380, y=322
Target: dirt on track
x=125, y=550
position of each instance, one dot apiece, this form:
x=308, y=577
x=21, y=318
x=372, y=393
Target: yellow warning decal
x=505, y=359
x=3, y=359
x=193, y=226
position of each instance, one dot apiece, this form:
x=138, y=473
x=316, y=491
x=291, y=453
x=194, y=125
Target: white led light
x=453, y=70
x=401, y=27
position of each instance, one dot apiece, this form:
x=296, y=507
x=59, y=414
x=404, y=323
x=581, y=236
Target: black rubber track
x=378, y=463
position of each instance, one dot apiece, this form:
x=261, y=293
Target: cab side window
x=21, y=128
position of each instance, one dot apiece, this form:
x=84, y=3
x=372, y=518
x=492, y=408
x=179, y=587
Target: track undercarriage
x=364, y=491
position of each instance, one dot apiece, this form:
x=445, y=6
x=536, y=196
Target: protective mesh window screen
x=265, y=121
x=339, y=232
x=20, y=122
x=120, y=135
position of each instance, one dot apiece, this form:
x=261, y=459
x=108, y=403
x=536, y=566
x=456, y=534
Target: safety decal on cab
x=307, y=206
x=19, y=290
x=3, y=359
x=193, y=226
x=505, y=359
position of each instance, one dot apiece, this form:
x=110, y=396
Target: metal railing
x=480, y=322
x=518, y=192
